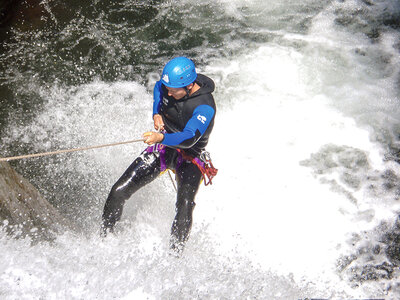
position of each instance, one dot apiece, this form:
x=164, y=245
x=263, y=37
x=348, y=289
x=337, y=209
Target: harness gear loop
x=204, y=164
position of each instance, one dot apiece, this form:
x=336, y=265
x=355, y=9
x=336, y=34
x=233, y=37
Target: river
x=306, y=141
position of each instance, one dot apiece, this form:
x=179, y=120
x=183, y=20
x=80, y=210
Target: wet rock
x=7, y=10
x=370, y=18
x=376, y=255
x=23, y=211
x=392, y=241
x=352, y=164
x=373, y=272
x=24, y=14
x=391, y=181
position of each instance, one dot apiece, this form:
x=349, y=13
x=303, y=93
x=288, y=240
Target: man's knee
x=185, y=205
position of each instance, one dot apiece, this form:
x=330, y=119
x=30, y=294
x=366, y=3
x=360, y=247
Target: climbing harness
x=204, y=164
x=159, y=150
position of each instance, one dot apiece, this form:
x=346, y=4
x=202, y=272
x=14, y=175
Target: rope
x=78, y=149
x=68, y=150
x=172, y=180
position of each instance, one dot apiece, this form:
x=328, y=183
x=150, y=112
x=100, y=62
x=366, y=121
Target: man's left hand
x=153, y=137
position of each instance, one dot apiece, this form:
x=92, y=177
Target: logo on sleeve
x=202, y=119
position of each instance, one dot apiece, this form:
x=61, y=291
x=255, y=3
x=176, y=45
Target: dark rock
x=373, y=259
x=372, y=272
x=24, y=14
x=7, y=10
x=23, y=211
x=392, y=240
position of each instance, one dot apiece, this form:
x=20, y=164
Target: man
x=183, y=114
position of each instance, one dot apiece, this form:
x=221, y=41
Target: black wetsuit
x=188, y=124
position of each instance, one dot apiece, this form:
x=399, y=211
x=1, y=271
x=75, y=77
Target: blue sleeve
x=193, y=130
x=157, y=96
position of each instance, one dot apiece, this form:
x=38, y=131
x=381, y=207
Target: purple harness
x=163, y=165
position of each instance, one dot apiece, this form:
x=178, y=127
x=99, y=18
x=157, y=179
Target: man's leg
x=188, y=179
x=142, y=171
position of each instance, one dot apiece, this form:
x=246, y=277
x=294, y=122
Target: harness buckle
x=205, y=156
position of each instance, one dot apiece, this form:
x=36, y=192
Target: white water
x=299, y=139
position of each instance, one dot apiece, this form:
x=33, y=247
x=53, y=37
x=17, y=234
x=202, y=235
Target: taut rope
x=68, y=150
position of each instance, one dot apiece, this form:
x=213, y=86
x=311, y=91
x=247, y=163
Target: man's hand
x=153, y=137
x=158, y=122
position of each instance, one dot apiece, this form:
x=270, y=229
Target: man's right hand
x=158, y=122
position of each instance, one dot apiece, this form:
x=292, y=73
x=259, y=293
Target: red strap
x=208, y=171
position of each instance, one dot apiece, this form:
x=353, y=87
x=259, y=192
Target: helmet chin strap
x=188, y=91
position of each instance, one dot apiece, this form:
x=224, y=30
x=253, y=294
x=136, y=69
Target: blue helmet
x=179, y=72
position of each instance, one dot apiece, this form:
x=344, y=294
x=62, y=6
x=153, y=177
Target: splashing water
x=307, y=124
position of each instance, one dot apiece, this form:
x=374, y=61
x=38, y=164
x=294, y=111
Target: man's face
x=177, y=93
